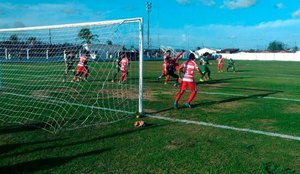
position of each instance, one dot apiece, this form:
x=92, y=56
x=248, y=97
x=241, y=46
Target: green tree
x=86, y=35
x=124, y=48
x=13, y=38
x=109, y=42
x=295, y=49
x=276, y=46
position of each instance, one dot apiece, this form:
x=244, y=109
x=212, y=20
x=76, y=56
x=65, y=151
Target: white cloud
x=183, y=2
x=278, y=23
x=197, y=2
x=296, y=14
x=239, y=3
x=209, y=2
x=279, y=5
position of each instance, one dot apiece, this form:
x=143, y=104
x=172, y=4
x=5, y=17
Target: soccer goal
x=64, y=77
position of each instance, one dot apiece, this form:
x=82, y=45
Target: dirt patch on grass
x=179, y=143
x=224, y=107
x=265, y=121
x=231, y=105
x=65, y=90
x=130, y=94
x=40, y=94
x=293, y=109
x=217, y=85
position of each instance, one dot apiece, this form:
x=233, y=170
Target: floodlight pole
x=148, y=8
x=50, y=40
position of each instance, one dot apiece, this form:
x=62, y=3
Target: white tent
x=204, y=50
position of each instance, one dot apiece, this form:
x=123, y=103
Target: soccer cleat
x=187, y=105
x=201, y=80
x=175, y=105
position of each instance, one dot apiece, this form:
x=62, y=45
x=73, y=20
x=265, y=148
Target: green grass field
x=261, y=96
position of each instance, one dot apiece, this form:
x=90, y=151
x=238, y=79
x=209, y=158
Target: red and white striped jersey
x=82, y=60
x=220, y=60
x=189, y=67
x=124, y=63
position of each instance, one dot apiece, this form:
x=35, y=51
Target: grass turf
x=261, y=95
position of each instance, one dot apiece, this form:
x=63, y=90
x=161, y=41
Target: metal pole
x=50, y=39
x=141, y=83
x=148, y=8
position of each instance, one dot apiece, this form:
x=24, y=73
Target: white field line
x=241, y=95
x=271, y=134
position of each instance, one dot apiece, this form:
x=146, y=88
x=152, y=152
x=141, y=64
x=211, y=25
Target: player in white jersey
x=82, y=70
x=188, y=68
x=123, y=68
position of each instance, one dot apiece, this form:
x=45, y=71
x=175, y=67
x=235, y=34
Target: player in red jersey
x=82, y=70
x=123, y=68
x=172, y=66
x=174, y=60
x=220, y=60
x=167, y=59
x=188, y=68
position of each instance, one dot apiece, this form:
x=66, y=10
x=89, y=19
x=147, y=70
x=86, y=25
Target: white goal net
x=71, y=76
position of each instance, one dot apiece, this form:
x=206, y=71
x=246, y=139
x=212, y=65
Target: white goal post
x=69, y=76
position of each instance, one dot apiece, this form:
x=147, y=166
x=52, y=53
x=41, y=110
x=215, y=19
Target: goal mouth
x=70, y=76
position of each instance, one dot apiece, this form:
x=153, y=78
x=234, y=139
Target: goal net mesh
x=39, y=80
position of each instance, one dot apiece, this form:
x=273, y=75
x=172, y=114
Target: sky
x=219, y=24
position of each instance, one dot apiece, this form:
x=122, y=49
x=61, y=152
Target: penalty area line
x=270, y=134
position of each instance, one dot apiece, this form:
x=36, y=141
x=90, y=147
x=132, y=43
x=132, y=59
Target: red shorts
x=81, y=69
x=124, y=73
x=185, y=85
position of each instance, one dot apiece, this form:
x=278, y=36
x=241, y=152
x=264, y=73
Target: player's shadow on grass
x=6, y=148
x=250, y=89
x=26, y=127
x=254, y=96
x=47, y=163
x=242, y=70
x=15, y=129
x=68, y=144
x=216, y=81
